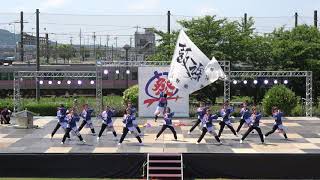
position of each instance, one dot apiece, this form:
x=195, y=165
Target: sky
x=53, y=18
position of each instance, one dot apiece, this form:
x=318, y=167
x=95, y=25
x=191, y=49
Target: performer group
x=250, y=119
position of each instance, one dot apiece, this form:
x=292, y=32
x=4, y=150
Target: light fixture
x=234, y=81
x=275, y=81
x=68, y=82
x=245, y=82
x=50, y=82
x=117, y=71
x=266, y=81
x=255, y=82
x=285, y=81
x=79, y=82
x=58, y=82
x=128, y=71
x=40, y=82
x=105, y=71
x=92, y=82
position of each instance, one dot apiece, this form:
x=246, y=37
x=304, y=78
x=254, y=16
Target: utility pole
x=245, y=21
x=21, y=37
x=80, y=50
x=315, y=18
x=38, y=55
x=112, y=53
x=130, y=41
x=47, y=48
x=94, y=45
x=295, y=19
x=168, y=25
x=116, y=38
x=56, y=52
x=71, y=40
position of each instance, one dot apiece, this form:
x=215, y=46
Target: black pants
x=68, y=134
x=274, y=128
x=222, y=124
x=103, y=127
x=164, y=127
x=240, y=125
x=195, y=125
x=204, y=132
x=138, y=129
x=83, y=124
x=56, y=129
x=124, y=134
x=252, y=128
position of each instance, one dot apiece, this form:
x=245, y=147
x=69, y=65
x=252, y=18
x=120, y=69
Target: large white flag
x=187, y=71
x=214, y=71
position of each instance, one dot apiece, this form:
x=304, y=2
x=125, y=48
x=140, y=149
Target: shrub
x=131, y=94
x=281, y=97
x=298, y=110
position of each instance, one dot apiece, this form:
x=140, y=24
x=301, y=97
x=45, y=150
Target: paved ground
x=303, y=133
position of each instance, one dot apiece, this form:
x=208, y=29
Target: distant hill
x=7, y=38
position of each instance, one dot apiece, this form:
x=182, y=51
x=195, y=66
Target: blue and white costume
x=61, y=114
x=86, y=115
x=225, y=113
x=167, y=123
x=163, y=102
x=207, y=122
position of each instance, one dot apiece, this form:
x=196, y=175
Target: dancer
x=128, y=126
x=62, y=122
x=107, y=122
x=255, y=120
x=167, y=123
x=201, y=111
x=208, y=126
x=225, y=113
x=163, y=102
x=72, y=126
x=133, y=113
x=277, y=115
x=245, y=116
x=86, y=115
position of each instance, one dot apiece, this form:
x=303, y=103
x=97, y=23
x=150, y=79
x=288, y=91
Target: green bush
x=297, y=111
x=131, y=94
x=281, y=97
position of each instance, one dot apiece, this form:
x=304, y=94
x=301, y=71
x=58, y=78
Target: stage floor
x=303, y=133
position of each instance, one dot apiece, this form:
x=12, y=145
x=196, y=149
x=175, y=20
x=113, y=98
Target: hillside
x=7, y=38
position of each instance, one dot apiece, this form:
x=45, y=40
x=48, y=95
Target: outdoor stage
x=31, y=150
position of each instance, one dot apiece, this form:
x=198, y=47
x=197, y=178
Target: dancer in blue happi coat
x=254, y=125
x=167, y=123
x=207, y=125
x=201, y=111
x=62, y=122
x=72, y=126
x=245, y=116
x=86, y=115
x=106, y=116
x=225, y=113
x=277, y=115
x=163, y=102
x=133, y=113
x=128, y=126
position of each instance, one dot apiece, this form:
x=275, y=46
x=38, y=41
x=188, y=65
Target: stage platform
x=32, y=152
x=303, y=133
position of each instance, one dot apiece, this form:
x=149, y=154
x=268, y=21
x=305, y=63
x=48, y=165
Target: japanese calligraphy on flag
x=187, y=70
x=214, y=71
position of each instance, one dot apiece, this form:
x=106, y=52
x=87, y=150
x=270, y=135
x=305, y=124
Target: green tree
x=66, y=52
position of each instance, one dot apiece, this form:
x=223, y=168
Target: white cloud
x=144, y=5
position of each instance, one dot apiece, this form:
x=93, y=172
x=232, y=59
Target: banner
x=188, y=66
x=153, y=81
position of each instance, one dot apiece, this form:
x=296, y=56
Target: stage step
x=165, y=165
